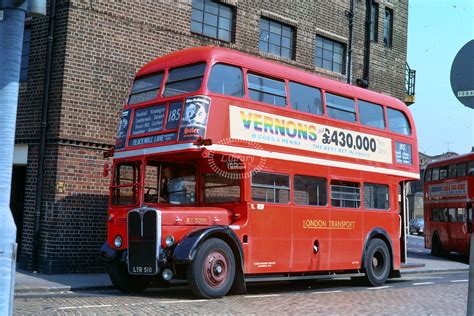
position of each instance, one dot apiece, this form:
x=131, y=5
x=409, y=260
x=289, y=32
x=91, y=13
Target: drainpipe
x=42, y=141
x=364, y=82
x=350, y=17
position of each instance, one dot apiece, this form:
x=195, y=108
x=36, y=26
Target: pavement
x=419, y=261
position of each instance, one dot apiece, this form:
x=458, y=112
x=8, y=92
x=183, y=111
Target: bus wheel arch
x=186, y=251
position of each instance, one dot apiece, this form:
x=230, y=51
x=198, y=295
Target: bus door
x=270, y=223
x=404, y=229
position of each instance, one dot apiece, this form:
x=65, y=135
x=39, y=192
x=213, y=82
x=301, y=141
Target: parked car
x=417, y=226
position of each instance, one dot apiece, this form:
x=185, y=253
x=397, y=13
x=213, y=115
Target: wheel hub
x=215, y=269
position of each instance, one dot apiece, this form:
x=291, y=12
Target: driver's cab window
x=169, y=183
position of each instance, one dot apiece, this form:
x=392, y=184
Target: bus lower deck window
x=271, y=187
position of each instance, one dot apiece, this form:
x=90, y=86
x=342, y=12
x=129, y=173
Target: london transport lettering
x=278, y=130
x=447, y=189
x=324, y=224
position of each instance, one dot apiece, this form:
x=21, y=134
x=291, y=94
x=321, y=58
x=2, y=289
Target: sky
x=437, y=30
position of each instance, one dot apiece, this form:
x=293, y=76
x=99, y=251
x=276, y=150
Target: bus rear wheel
x=377, y=263
x=125, y=281
x=212, y=271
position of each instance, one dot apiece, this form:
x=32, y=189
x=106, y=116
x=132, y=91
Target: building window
x=388, y=28
x=376, y=196
x=374, y=22
x=25, y=54
x=212, y=19
x=271, y=187
x=276, y=38
x=329, y=54
x=345, y=194
x=310, y=190
x=340, y=108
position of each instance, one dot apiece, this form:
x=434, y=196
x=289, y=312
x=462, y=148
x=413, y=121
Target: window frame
x=248, y=89
x=410, y=128
x=281, y=25
x=358, y=202
x=326, y=104
x=379, y=185
x=219, y=17
x=209, y=76
x=332, y=51
x=167, y=81
x=371, y=104
x=272, y=187
x=326, y=187
x=388, y=28
x=290, y=97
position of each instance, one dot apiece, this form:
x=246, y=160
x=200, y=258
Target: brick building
x=97, y=46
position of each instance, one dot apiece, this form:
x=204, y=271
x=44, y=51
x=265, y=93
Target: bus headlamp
x=118, y=241
x=169, y=240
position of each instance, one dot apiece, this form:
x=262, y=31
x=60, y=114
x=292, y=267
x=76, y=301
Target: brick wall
x=98, y=46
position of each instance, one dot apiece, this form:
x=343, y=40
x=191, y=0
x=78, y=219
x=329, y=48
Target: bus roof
x=451, y=160
x=271, y=68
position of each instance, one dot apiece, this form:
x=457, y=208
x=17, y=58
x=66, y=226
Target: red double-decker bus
x=448, y=194
x=231, y=169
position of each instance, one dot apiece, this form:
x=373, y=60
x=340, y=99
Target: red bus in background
x=448, y=194
x=230, y=169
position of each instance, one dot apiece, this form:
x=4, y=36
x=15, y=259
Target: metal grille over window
x=276, y=38
x=376, y=196
x=271, y=187
x=305, y=98
x=267, y=90
x=329, y=55
x=145, y=89
x=345, y=194
x=310, y=190
x=371, y=114
x=184, y=79
x=340, y=108
x=226, y=80
x=212, y=19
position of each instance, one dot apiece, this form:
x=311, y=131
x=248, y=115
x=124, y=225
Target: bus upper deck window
x=470, y=168
x=305, y=98
x=184, y=79
x=267, y=90
x=398, y=122
x=340, y=108
x=145, y=89
x=428, y=175
x=371, y=114
x=461, y=169
x=226, y=80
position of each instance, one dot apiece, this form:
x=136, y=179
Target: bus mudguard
x=378, y=233
x=108, y=253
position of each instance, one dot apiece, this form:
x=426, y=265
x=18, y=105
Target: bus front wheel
x=377, y=262
x=126, y=282
x=212, y=271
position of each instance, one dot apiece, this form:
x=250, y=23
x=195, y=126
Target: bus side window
x=371, y=114
x=226, y=80
x=340, y=108
x=461, y=215
x=271, y=188
x=435, y=174
x=443, y=172
x=267, y=90
x=452, y=171
x=452, y=215
x=398, y=122
x=305, y=98
x=428, y=175
x=461, y=169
